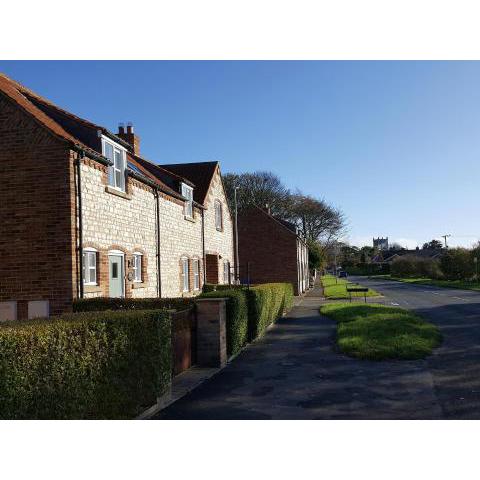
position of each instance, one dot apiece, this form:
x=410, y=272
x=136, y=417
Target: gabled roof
x=82, y=133
x=288, y=226
x=18, y=95
x=200, y=174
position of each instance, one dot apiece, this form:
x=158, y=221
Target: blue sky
x=395, y=145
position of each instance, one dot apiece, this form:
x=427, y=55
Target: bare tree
x=317, y=219
x=263, y=189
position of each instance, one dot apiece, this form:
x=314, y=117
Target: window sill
x=92, y=288
x=118, y=193
x=136, y=285
x=189, y=219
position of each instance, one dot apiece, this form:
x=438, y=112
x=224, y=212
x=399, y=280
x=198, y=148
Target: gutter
x=80, y=223
x=203, y=249
x=157, y=213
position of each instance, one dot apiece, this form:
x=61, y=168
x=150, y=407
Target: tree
x=316, y=256
x=433, y=245
x=316, y=218
x=457, y=264
x=263, y=189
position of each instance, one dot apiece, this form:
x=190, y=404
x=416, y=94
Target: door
x=116, y=276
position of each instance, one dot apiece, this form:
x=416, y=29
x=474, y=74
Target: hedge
x=213, y=287
x=266, y=303
x=237, y=317
x=84, y=366
x=99, y=304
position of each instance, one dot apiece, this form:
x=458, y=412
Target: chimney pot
x=121, y=128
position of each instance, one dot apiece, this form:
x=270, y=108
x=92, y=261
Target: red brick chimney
x=129, y=136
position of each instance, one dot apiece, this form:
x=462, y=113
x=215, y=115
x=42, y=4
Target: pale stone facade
x=180, y=237
x=220, y=242
x=111, y=222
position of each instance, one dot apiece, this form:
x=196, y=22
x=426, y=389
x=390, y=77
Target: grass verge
x=337, y=290
x=461, y=284
x=380, y=332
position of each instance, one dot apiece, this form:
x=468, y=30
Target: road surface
x=455, y=365
x=295, y=371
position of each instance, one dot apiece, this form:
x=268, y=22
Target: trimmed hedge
x=237, y=318
x=250, y=312
x=99, y=304
x=84, y=366
x=213, y=287
x=266, y=303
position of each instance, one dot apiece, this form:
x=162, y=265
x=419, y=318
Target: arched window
x=218, y=215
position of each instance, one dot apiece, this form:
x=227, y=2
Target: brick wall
x=35, y=213
x=218, y=242
x=269, y=247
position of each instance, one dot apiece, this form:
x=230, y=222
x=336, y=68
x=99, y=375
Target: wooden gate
x=184, y=328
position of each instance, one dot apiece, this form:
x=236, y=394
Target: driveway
x=294, y=372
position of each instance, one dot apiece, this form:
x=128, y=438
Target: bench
x=363, y=290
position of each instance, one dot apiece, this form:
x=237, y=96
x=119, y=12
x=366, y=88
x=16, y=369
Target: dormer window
x=187, y=192
x=116, y=172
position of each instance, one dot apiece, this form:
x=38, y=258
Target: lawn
x=338, y=289
x=462, y=284
x=379, y=332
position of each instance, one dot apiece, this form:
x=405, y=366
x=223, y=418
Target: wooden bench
x=363, y=290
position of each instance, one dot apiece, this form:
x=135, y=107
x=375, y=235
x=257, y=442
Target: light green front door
x=116, y=275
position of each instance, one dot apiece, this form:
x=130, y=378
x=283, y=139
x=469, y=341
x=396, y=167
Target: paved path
x=294, y=372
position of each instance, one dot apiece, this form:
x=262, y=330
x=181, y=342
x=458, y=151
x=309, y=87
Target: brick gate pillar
x=211, y=332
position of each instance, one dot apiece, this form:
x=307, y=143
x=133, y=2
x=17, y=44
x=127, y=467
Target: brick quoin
x=270, y=248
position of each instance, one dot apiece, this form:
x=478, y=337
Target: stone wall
x=119, y=222
x=179, y=237
x=220, y=242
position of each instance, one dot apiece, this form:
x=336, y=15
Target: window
x=187, y=192
x=226, y=272
x=89, y=267
x=137, y=267
x=116, y=172
x=185, y=274
x=196, y=274
x=218, y=215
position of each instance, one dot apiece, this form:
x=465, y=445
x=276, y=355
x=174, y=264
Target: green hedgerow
x=84, y=366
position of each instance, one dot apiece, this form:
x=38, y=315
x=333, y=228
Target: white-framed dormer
x=118, y=156
x=187, y=193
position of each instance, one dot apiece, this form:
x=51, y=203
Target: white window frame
x=218, y=215
x=196, y=274
x=226, y=272
x=113, y=169
x=185, y=275
x=137, y=260
x=187, y=192
x=88, y=253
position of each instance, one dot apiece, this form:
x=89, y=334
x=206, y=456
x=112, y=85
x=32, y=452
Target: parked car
x=342, y=274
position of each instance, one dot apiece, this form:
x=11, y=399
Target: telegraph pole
x=237, y=271
x=445, y=238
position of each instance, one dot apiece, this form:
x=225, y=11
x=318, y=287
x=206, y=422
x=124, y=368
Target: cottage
x=82, y=214
x=271, y=250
